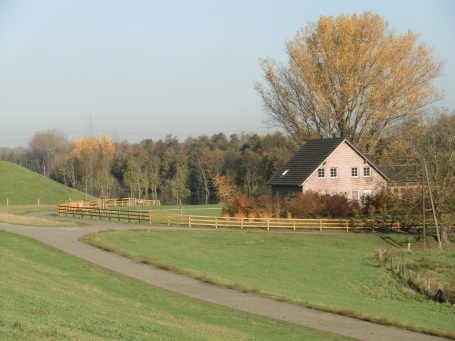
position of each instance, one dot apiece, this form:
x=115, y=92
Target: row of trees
x=195, y=165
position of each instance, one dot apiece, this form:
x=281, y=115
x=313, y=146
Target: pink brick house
x=330, y=166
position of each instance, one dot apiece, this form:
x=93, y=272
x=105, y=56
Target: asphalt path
x=67, y=239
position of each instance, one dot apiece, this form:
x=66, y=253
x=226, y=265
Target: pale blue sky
x=145, y=69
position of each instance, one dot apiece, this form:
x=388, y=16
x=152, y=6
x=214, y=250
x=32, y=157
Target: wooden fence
x=114, y=202
x=157, y=217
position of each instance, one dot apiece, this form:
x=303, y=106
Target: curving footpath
x=67, y=239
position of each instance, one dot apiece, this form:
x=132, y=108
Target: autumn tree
x=350, y=76
x=96, y=157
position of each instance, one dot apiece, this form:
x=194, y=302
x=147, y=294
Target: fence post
x=128, y=215
x=168, y=219
x=38, y=201
x=267, y=220
x=320, y=225
x=7, y=201
x=139, y=216
x=99, y=212
x=294, y=224
x=241, y=222
x=347, y=226
x=216, y=222
x=150, y=218
x=189, y=221
x=118, y=215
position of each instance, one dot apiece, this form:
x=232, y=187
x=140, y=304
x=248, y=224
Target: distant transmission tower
x=90, y=129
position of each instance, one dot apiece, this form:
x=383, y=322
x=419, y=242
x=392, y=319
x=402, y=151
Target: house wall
x=280, y=190
x=344, y=158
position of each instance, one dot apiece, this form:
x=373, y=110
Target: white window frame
x=365, y=170
x=355, y=172
x=321, y=173
x=333, y=173
x=355, y=197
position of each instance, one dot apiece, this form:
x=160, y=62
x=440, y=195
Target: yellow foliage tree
x=349, y=76
x=96, y=157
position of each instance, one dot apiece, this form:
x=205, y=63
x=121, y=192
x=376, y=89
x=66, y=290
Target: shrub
x=241, y=206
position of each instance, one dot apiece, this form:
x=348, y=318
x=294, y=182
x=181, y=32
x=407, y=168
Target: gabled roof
x=309, y=158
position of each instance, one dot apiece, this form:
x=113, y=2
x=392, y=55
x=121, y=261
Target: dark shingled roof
x=309, y=157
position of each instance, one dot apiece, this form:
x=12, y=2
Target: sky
x=145, y=69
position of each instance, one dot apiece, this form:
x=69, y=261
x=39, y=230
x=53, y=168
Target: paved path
x=66, y=239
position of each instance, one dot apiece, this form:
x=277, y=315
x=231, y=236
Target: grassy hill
x=47, y=294
x=23, y=187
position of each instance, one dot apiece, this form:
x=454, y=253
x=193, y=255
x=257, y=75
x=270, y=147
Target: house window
x=334, y=172
x=333, y=193
x=354, y=172
x=355, y=195
x=366, y=171
x=321, y=173
x=367, y=192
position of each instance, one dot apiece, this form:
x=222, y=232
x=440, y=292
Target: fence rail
x=114, y=202
x=93, y=211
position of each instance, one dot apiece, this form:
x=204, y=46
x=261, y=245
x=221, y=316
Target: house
x=330, y=166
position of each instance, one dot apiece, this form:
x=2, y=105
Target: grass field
x=46, y=294
x=24, y=187
x=335, y=272
x=15, y=215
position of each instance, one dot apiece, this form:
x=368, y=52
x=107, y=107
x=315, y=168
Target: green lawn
x=24, y=187
x=46, y=294
x=337, y=272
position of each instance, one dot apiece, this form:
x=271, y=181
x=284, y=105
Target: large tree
x=349, y=76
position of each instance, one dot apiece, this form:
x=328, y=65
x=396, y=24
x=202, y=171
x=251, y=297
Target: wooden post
x=347, y=226
x=139, y=216
x=320, y=225
x=99, y=212
x=372, y=225
x=7, y=201
x=91, y=214
x=189, y=221
x=129, y=216
x=216, y=222
x=168, y=219
x=118, y=215
x=241, y=222
x=150, y=218
x=267, y=220
x=38, y=201
x=294, y=224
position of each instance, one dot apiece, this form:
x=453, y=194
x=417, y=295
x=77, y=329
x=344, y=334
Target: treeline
x=151, y=166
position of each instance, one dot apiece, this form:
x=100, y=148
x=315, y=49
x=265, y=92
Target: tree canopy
x=349, y=76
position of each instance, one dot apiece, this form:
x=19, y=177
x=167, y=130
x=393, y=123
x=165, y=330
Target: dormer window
x=284, y=173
